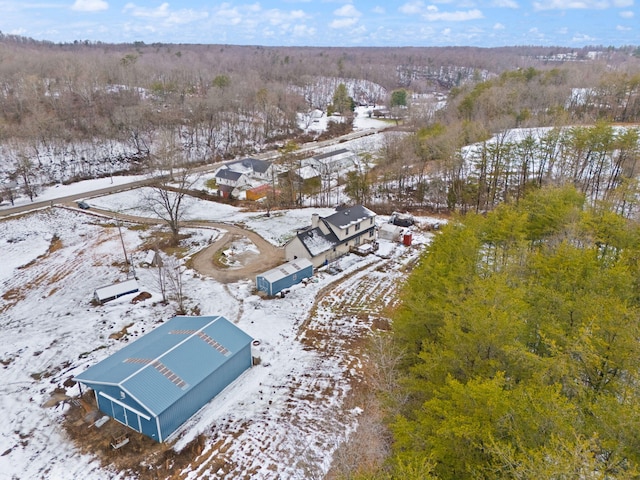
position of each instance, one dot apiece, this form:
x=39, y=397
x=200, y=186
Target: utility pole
x=126, y=259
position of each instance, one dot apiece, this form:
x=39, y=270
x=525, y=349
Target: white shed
x=111, y=292
x=388, y=231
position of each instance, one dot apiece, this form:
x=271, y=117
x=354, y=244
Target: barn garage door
x=125, y=414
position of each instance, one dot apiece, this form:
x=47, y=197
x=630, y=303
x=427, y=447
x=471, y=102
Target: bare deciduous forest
x=85, y=110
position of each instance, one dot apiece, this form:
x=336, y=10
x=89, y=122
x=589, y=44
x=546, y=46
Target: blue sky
x=484, y=23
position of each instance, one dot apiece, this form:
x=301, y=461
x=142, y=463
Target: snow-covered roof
x=286, y=269
x=249, y=164
x=317, y=242
x=116, y=289
x=308, y=172
x=349, y=216
x=162, y=366
x=391, y=228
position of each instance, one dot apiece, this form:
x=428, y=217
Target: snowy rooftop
x=317, y=242
x=349, y=216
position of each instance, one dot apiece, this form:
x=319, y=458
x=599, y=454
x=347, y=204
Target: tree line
x=517, y=335
x=466, y=156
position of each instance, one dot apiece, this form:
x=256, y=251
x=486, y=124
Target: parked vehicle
x=83, y=205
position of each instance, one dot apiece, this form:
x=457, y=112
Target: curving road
x=269, y=257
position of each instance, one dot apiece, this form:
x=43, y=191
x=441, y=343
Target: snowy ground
x=279, y=420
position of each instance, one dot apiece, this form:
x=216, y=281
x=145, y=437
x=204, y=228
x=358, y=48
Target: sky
x=482, y=23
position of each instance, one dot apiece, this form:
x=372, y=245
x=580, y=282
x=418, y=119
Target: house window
x=370, y=233
x=371, y=221
x=357, y=227
x=347, y=232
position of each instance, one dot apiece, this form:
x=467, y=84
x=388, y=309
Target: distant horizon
x=329, y=23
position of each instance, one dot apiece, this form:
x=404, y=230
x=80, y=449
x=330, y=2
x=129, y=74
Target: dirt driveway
x=203, y=262
x=269, y=257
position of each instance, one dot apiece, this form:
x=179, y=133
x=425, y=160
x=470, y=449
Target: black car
x=83, y=205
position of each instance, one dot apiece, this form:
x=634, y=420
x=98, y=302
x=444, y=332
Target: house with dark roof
x=252, y=167
x=331, y=237
x=155, y=384
x=241, y=175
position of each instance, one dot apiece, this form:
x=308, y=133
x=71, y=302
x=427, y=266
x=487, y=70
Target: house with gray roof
x=241, y=175
x=330, y=162
x=331, y=237
x=155, y=384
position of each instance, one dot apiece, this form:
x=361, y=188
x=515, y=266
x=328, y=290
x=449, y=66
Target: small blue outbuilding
x=284, y=276
x=158, y=382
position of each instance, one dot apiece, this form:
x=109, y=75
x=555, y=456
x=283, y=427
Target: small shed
x=153, y=259
x=115, y=290
x=284, y=276
x=158, y=382
x=388, y=231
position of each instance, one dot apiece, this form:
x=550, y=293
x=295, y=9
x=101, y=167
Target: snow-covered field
x=282, y=419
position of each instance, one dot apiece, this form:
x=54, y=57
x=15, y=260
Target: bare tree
x=161, y=279
x=25, y=171
x=165, y=199
x=174, y=274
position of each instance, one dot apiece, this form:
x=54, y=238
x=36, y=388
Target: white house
x=330, y=162
x=253, y=168
x=331, y=237
x=241, y=175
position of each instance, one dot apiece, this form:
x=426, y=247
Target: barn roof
x=286, y=269
x=162, y=366
x=349, y=216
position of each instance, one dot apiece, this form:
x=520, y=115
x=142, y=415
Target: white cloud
x=581, y=37
x=433, y=15
x=446, y=32
x=627, y=14
x=350, y=17
x=379, y=10
x=144, y=12
x=181, y=17
x=620, y=28
x=505, y=4
x=280, y=17
x=343, y=23
x=347, y=10
x=499, y=26
x=90, y=5
x=169, y=17
x=303, y=31
x=622, y=3
x=228, y=15
x=411, y=8
x=572, y=4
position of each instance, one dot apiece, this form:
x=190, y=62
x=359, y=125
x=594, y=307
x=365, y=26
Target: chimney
x=315, y=220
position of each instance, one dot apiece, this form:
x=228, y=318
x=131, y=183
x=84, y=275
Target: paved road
x=5, y=212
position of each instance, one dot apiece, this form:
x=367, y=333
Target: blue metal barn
x=158, y=382
x=284, y=276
